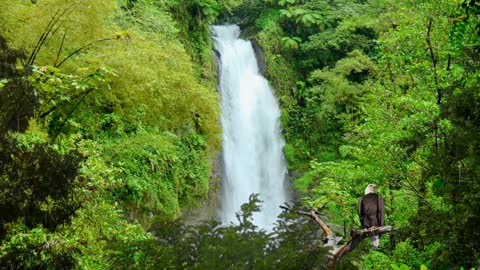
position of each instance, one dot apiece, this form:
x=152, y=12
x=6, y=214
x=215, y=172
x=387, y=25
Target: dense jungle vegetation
x=109, y=120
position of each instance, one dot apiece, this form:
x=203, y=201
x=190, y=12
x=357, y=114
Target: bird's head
x=370, y=189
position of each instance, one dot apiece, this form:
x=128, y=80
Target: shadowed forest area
x=110, y=126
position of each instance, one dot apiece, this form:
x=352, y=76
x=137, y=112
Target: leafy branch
x=290, y=43
x=59, y=90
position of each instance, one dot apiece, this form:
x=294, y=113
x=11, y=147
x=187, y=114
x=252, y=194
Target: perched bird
x=371, y=210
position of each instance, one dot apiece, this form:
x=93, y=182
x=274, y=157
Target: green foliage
x=389, y=87
x=37, y=182
x=377, y=260
x=61, y=27
x=105, y=239
x=166, y=95
x=209, y=245
x=296, y=153
x=159, y=172
x=17, y=98
x=149, y=182
x=401, y=267
x=209, y=8
x=303, y=184
x=304, y=17
x=286, y=2
x=290, y=43
x=62, y=93
x=111, y=129
x=36, y=249
x=279, y=70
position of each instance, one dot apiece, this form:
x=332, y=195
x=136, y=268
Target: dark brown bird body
x=371, y=209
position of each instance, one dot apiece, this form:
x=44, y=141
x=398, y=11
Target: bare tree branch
x=81, y=49
x=338, y=252
x=60, y=48
x=48, y=30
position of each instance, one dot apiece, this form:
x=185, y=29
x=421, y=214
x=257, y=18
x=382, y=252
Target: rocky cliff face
x=262, y=67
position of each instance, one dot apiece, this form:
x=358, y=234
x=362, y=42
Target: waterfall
x=252, y=140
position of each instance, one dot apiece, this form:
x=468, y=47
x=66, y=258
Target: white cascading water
x=252, y=140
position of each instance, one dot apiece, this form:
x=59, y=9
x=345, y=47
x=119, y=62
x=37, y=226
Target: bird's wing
x=381, y=211
x=360, y=206
x=360, y=214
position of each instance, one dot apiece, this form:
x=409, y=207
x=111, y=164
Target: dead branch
x=358, y=236
x=53, y=25
x=338, y=252
x=81, y=49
